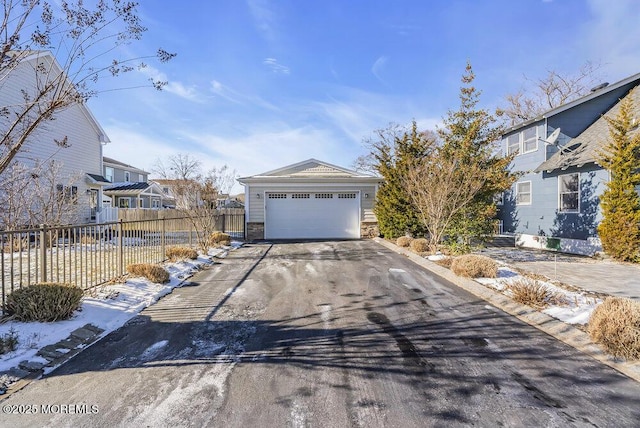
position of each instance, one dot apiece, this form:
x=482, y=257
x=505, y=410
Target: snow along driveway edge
x=566, y=333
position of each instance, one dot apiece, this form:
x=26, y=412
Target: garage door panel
x=312, y=215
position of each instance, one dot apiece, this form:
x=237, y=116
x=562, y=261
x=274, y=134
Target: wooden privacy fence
x=89, y=255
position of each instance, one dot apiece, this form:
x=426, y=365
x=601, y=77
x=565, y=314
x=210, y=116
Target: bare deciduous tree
x=181, y=166
x=440, y=187
x=204, y=212
x=196, y=192
x=551, y=91
x=82, y=39
x=35, y=195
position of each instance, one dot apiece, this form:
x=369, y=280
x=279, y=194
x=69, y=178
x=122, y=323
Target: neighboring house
x=81, y=161
x=180, y=193
x=310, y=200
x=130, y=188
x=558, y=194
x=225, y=200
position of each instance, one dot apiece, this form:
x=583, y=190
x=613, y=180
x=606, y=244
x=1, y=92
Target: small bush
x=615, y=324
x=474, y=266
x=153, y=273
x=445, y=262
x=44, y=302
x=533, y=293
x=404, y=241
x=181, y=253
x=8, y=342
x=419, y=245
x=219, y=238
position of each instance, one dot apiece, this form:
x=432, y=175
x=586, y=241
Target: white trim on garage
x=308, y=214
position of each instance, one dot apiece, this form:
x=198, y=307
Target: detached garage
x=310, y=200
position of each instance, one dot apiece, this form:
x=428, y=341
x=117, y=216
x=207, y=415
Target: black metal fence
x=89, y=255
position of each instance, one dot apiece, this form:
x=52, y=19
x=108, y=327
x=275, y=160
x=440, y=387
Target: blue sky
x=260, y=84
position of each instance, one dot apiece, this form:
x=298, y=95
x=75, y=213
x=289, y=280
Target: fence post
x=162, y=239
x=43, y=253
x=120, y=249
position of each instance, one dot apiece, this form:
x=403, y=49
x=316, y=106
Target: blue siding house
x=555, y=203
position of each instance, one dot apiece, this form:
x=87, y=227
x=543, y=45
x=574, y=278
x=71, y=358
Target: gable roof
x=47, y=55
x=122, y=165
x=309, y=170
x=585, y=147
x=634, y=80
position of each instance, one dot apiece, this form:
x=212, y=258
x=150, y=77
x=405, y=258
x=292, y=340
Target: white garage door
x=312, y=215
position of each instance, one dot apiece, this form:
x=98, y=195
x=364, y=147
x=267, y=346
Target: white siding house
x=310, y=200
x=81, y=158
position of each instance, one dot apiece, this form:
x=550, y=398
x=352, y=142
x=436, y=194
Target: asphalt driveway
x=326, y=334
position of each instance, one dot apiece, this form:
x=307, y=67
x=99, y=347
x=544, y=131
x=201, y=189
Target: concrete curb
x=566, y=333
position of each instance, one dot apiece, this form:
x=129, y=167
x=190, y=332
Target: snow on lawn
x=575, y=307
x=109, y=307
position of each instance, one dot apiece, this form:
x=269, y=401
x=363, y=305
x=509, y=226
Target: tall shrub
x=619, y=229
x=394, y=151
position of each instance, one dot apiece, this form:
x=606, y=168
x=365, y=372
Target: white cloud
x=378, y=66
x=276, y=67
x=264, y=18
x=174, y=87
x=231, y=95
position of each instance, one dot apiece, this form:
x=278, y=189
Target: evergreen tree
x=471, y=137
x=394, y=151
x=620, y=228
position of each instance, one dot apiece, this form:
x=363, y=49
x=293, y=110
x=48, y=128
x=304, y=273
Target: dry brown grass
x=404, y=241
x=419, y=245
x=219, y=238
x=446, y=262
x=474, y=266
x=615, y=324
x=176, y=254
x=153, y=273
x=88, y=240
x=533, y=293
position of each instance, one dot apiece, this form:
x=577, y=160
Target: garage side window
x=277, y=196
x=300, y=196
x=324, y=195
x=346, y=195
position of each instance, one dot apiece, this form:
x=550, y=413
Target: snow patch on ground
x=153, y=350
x=108, y=307
x=574, y=307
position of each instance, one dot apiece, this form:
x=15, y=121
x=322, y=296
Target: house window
x=529, y=140
x=165, y=190
x=108, y=173
x=523, y=193
x=499, y=199
x=140, y=203
x=123, y=202
x=155, y=203
x=523, y=142
x=68, y=194
x=513, y=143
x=127, y=176
x=569, y=193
